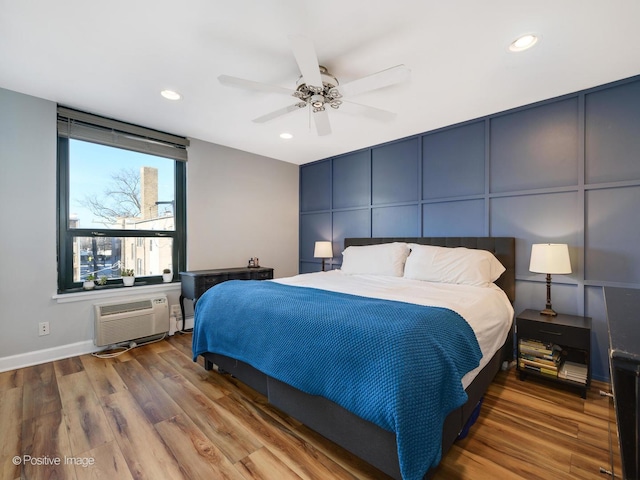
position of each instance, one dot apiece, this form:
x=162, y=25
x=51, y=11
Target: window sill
x=82, y=296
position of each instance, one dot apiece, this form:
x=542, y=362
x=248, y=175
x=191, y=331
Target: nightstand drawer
x=564, y=335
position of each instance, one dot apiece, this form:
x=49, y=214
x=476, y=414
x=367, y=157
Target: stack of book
x=539, y=357
x=576, y=372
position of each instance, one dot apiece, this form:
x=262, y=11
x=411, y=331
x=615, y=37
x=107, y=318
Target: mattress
x=486, y=309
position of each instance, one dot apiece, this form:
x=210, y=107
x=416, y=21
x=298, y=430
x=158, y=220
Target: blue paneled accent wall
x=566, y=170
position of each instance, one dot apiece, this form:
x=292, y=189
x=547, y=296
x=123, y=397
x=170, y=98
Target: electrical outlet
x=43, y=328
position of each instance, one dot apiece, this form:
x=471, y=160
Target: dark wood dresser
x=196, y=282
x=623, y=319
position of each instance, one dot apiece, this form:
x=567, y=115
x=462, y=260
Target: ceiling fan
x=317, y=88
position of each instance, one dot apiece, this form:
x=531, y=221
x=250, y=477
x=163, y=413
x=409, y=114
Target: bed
x=385, y=423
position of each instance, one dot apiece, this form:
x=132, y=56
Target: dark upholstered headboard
x=504, y=248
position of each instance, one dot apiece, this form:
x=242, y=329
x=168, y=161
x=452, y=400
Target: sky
x=91, y=166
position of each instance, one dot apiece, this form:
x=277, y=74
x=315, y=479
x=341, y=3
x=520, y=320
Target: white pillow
x=384, y=259
x=452, y=265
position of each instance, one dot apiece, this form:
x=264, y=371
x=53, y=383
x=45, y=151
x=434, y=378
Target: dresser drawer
x=239, y=276
x=205, y=283
x=564, y=335
x=262, y=275
x=195, y=283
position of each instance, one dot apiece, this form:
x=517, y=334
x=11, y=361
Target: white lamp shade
x=550, y=258
x=323, y=250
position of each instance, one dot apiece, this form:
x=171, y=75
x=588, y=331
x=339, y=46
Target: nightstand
x=557, y=348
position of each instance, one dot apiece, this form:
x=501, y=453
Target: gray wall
x=241, y=205
x=223, y=187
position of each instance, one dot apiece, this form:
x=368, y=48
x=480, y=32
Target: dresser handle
x=551, y=333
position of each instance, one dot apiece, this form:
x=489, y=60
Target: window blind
x=106, y=131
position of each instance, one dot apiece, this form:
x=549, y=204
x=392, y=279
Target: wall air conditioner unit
x=122, y=321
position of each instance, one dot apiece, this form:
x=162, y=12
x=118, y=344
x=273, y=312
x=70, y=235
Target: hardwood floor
x=154, y=414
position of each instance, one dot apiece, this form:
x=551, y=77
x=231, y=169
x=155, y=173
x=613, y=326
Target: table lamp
x=323, y=250
x=550, y=258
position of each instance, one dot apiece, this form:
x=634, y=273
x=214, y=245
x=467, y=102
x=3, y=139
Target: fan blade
x=384, y=78
x=307, y=60
x=369, y=111
x=321, y=119
x=277, y=113
x=251, y=85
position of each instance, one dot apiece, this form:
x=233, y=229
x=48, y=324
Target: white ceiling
x=114, y=57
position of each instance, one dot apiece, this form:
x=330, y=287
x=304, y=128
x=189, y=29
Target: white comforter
x=486, y=309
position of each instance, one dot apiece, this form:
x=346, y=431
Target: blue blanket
x=395, y=364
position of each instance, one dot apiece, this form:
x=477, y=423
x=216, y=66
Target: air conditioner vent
x=112, y=309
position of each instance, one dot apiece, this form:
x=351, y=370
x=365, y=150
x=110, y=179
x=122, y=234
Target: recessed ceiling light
x=170, y=95
x=286, y=136
x=523, y=43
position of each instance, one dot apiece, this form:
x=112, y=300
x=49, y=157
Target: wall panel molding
x=564, y=170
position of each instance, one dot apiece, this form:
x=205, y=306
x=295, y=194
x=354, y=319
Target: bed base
x=360, y=437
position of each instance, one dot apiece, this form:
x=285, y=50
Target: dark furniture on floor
x=366, y=440
x=196, y=282
x=623, y=312
x=571, y=332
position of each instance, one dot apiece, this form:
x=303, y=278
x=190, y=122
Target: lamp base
x=548, y=310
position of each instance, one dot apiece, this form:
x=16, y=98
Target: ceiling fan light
x=286, y=136
x=317, y=101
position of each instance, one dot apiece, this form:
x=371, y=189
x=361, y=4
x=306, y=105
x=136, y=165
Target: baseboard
x=56, y=353
x=600, y=385
x=47, y=355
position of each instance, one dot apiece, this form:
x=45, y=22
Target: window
x=121, y=189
